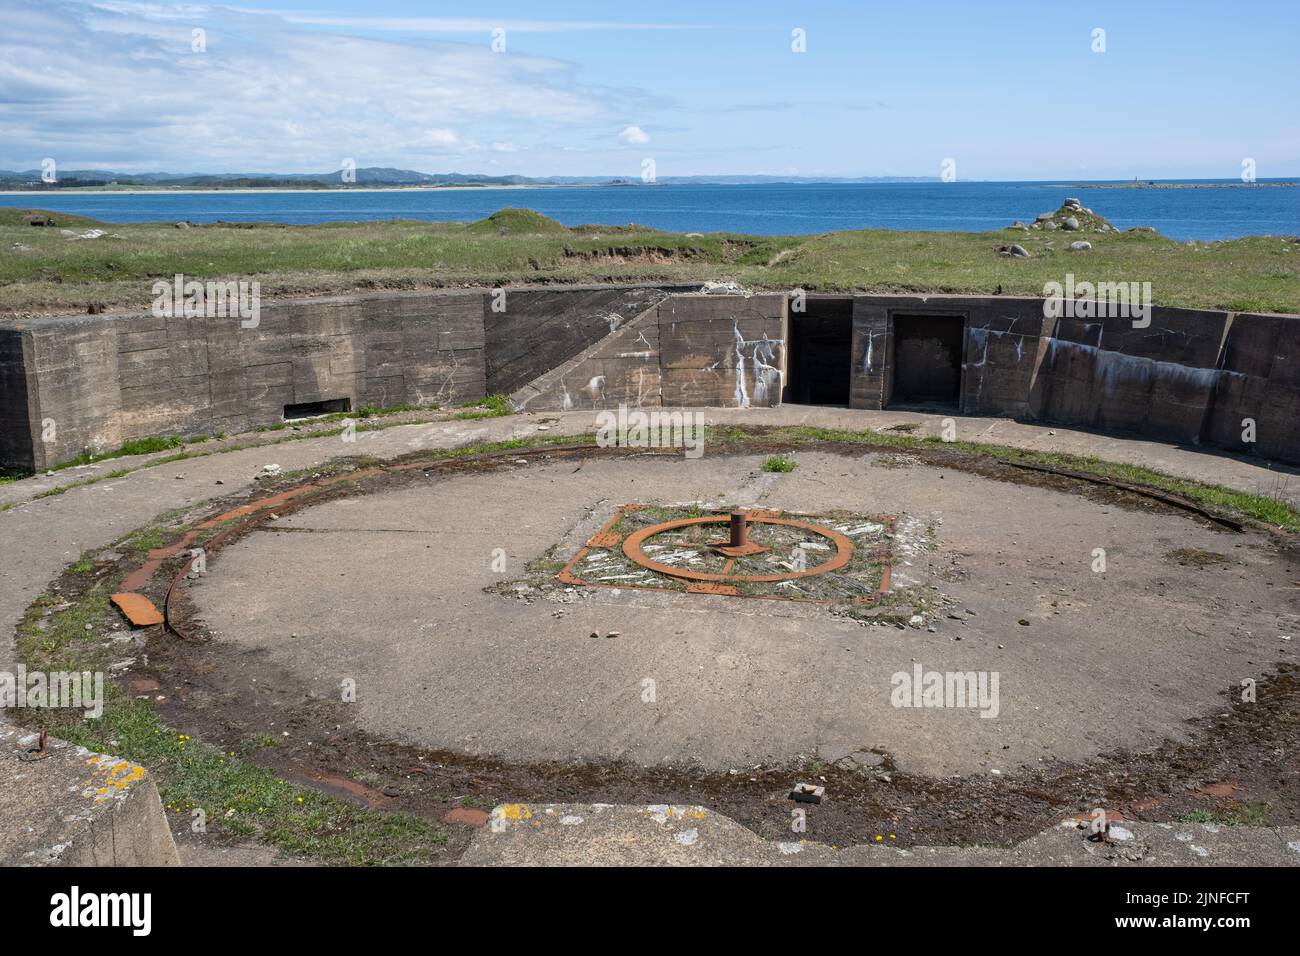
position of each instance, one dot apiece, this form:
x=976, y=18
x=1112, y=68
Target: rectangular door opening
x=927, y=360
x=821, y=353
x=311, y=409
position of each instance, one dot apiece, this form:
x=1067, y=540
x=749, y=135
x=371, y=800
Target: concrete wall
x=529, y=332
x=1190, y=376
x=685, y=350
x=104, y=380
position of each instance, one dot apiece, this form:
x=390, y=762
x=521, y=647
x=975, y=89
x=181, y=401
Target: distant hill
x=30, y=179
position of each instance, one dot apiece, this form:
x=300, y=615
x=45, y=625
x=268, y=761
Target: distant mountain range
x=382, y=176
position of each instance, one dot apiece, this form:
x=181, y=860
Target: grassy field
x=42, y=270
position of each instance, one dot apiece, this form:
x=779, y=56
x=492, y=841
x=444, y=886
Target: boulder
x=1071, y=224
x=1080, y=246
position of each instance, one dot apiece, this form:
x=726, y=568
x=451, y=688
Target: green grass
x=779, y=463
x=494, y=406
x=1243, y=815
x=137, y=446
x=240, y=800
x=521, y=246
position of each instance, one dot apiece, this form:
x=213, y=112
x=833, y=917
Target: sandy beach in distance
x=286, y=189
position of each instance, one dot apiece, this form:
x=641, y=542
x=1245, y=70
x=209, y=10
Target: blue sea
x=775, y=209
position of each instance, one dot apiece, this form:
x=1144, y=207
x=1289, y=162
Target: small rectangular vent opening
x=311, y=409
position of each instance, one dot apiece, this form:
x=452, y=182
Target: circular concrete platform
x=436, y=600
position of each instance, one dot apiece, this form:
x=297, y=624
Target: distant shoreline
x=1256, y=185
x=164, y=190
x=196, y=190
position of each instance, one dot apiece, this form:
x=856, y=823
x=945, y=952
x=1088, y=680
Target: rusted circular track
x=632, y=548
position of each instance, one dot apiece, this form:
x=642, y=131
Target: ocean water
x=1203, y=214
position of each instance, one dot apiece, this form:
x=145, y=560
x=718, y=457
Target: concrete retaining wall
x=99, y=381
x=1189, y=376
x=686, y=350
x=104, y=380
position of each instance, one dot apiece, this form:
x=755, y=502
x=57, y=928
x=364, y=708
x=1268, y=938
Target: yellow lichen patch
x=516, y=811
x=117, y=777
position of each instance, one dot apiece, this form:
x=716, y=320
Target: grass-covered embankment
x=44, y=271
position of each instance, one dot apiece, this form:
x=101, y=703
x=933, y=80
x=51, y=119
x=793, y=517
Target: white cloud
x=120, y=87
x=504, y=148
x=441, y=137
x=633, y=136
x=467, y=24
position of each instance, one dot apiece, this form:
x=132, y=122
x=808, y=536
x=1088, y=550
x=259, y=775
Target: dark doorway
x=927, y=360
x=821, y=344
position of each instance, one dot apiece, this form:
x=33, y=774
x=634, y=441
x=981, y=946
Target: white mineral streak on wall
x=767, y=371
x=981, y=336
x=742, y=397
x=645, y=353
x=1114, y=368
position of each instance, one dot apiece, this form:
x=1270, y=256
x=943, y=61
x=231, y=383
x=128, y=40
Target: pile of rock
x=1073, y=216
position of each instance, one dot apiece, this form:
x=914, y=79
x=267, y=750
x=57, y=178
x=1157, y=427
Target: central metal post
x=739, y=545
x=739, y=529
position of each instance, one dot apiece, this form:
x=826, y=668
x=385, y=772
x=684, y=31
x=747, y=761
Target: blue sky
x=1183, y=89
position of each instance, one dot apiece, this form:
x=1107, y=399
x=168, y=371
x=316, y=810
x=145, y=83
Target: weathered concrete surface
x=42, y=536
x=72, y=383
x=98, y=381
x=1189, y=375
x=530, y=332
x=77, y=808
x=741, y=681
x=687, y=350
x=103, y=380
x=608, y=835
x=621, y=368
x=722, y=350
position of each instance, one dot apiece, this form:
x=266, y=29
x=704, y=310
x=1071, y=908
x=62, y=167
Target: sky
x=1170, y=89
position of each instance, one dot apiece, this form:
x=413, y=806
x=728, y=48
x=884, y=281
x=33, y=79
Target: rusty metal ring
x=632, y=548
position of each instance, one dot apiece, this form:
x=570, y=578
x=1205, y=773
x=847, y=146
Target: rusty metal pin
x=739, y=529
